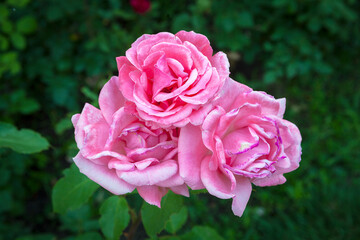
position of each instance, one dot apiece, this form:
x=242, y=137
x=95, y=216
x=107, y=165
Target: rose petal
x=152, y=194
x=181, y=190
x=198, y=40
x=191, y=153
x=216, y=182
x=105, y=177
x=151, y=175
x=110, y=99
x=242, y=195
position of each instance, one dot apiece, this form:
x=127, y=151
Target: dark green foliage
x=56, y=55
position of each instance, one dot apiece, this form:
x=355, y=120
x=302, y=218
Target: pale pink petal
x=121, y=165
x=222, y=65
x=105, y=177
x=91, y=130
x=242, y=195
x=191, y=153
x=152, y=194
x=216, y=182
x=120, y=120
x=269, y=105
x=141, y=165
x=151, y=175
x=110, y=99
x=159, y=151
x=175, y=180
x=240, y=141
x=230, y=94
x=272, y=180
x=197, y=116
x=209, y=126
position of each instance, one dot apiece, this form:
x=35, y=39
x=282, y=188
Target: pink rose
x=170, y=80
x=119, y=152
x=140, y=6
x=243, y=140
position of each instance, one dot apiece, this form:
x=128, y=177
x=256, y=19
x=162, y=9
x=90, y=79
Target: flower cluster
x=173, y=119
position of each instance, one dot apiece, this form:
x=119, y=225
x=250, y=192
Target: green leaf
x=73, y=190
x=63, y=125
x=155, y=219
x=18, y=41
x=202, y=233
x=114, y=217
x=177, y=220
x=26, y=25
x=22, y=141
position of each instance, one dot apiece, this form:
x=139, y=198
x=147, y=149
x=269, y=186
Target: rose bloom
x=244, y=140
x=170, y=80
x=140, y=6
x=120, y=153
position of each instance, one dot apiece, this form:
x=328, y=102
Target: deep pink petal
x=200, y=41
x=175, y=51
x=125, y=82
x=144, y=47
x=201, y=62
x=222, y=65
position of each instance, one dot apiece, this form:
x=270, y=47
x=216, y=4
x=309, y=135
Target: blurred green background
x=56, y=55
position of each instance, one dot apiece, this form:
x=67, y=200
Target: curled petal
x=102, y=175
x=215, y=181
x=110, y=99
x=198, y=40
x=151, y=175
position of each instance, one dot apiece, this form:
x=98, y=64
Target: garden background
x=56, y=55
